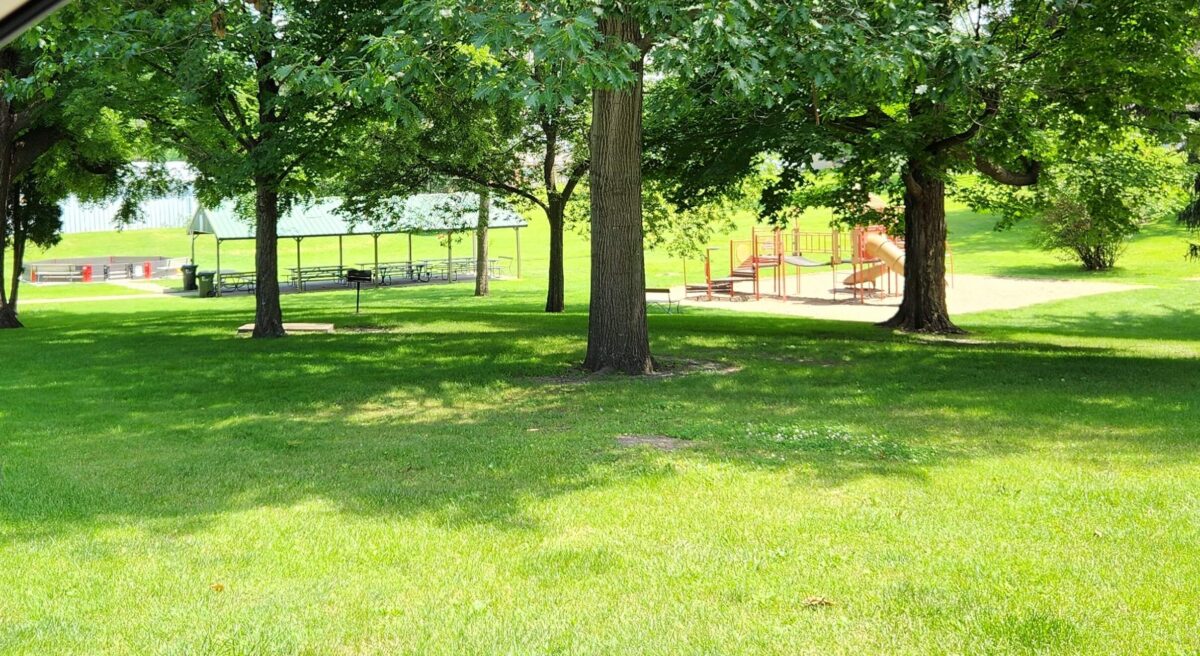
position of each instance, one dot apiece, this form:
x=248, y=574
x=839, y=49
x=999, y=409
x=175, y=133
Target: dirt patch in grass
x=951, y=340
x=660, y=442
x=368, y=330
x=810, y=362
x=666, y=368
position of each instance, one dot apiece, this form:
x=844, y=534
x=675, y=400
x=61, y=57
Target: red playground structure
x=758, y=266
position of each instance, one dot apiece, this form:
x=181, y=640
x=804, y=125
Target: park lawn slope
x=436, y=478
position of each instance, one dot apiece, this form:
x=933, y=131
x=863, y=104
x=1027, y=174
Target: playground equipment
x=767, y=251
x=876, y=255
x=103, y=268
x=759, y=266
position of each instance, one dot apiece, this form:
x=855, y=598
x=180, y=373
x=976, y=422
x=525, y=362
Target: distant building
x=169, y=212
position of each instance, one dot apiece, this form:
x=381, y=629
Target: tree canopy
x=497, y=113
x=252, y=95
x=905, y=95
x=58, y=138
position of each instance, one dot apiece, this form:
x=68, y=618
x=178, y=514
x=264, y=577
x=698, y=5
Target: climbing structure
x=758, y=266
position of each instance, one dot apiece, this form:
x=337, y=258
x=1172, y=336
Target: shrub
x=1088, y=204
x=1070, y=226
x=1190, y=215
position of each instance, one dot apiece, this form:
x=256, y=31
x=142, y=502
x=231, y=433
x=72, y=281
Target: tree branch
x=471, y=176
x=233, y=131
x=911, y=185
x=550, y=157
x=33, y=145
x=573, y=178
x=990, y=109
x=241, y=117
x=872, y=119
x=23, y=119
x=1029, y=176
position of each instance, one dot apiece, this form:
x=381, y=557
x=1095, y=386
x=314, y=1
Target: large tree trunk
x=923, y=309
x=8, y=317
x=556, y=286
x=20, y=238
x=268, y=316
x=618, y=338
x=8, y=301
x=482, y=270
x=8, y=312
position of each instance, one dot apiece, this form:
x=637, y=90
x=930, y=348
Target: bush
x=1068, y=226
x=1190, y=215
x=1087, y=206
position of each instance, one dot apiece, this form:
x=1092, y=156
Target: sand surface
x=819, y=299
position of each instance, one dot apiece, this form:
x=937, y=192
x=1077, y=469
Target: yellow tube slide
x=885, y=250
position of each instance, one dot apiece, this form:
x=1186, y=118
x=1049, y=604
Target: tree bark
x=20, y=238
x=482, y=272
x=556, y=287
x=618, y=339
x=923, y=309
x=8, y=312
x=8, y=301
x=8, y=317
x=268, y=316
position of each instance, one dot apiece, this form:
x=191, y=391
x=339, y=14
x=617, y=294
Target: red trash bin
x=147, y=269
x=87, y=273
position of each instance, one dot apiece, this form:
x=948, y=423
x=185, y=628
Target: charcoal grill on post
x=358, y=277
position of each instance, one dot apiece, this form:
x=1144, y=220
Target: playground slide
x=886, y=250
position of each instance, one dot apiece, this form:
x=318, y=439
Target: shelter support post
x=376, y=237
x=194, y=248
x=517, y=232
x=217, y=277
x=341, y=267
x=449, y=257
x=410, y=248
x=299, y=274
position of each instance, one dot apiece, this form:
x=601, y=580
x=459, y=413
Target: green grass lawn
x=444, y=483
x=56, y=291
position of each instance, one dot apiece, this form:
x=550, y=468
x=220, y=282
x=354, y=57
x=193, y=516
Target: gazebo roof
x=422, y=213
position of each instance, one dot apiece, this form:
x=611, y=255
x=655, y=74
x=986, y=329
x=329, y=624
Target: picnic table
x=237, y=280
x=458, y=266
x=300, y=277
x=388, y=272
x=54, y=273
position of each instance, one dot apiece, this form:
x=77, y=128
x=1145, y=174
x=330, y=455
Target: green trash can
x=189, y=277
x=204, y=281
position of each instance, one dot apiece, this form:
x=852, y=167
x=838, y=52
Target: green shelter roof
x=422, y=213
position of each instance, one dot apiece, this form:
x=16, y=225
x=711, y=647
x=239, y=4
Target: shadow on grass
x=1155, y=322
x=161, y=413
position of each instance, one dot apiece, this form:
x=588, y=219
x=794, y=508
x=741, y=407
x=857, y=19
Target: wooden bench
x=668, y=298
x=58, y=273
